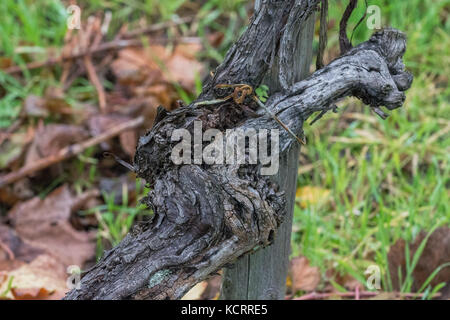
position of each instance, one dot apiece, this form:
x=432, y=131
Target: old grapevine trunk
x=262, y=274
x=206, y=216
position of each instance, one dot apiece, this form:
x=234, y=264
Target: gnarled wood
x=207, y=216
x=262, y=274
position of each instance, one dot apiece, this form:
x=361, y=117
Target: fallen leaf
x=304, y=277
x=310, y=195
x=53, y=102
x=5, y=62
x=215, y=39
x=43, y=278
x=135, y=65
x=51, y=138
x=30, y=294
x=435, y=254
x=100, y=123
x=187, y=50
x=162, y=92
x=184, y=71
x=344, y=280
x=14, y=252
x=34, y=106
x=146, y=107
x=182, y=66
x=153, y=71
x=45, y=223
x=18, y=191
x=212, y=291
x=13, y=146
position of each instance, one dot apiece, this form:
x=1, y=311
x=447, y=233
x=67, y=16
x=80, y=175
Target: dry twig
x=69, y=151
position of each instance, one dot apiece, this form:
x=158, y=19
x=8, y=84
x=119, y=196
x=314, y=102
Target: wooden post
x=262, y=275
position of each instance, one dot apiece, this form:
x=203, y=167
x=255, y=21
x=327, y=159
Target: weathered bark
x=206, y=216
x=262, y=274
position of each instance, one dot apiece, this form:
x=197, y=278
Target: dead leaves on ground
x=144, y=79
x=434, y=260
x=43, y=278
x=12, y=147
x=42, y=235
x=51, y=138
x=156, y=71
x=303, y=276
x=100, y=123
x=41, y=243
x=435, y=254
x=45, y=223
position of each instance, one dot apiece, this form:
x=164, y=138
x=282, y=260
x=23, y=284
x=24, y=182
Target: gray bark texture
x=262, y=274
x=207, y=216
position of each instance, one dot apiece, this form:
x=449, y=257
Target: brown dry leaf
x=215, y=39
x=45, y=223
x=13, y=146
x=135, y=65
x=435, y=254
x=347, y=281
x=184, y=71
x=143, y=68
x=99, y=123
x=212, y=291
x=128, y=142
x=18, y=191
x=34, y=106
x=146, y=107
x=43, y=278
x=5, y=62
x=14, y=252
x=183, y=67
x=304, y=277
x=51, y=138
x=30, y=294
x=56, y=105
x=309, y=195
x=162, y=92
x=53, y=103
x=102, y=122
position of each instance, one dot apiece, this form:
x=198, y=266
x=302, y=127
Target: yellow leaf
x=310, y=195
x=196, y=292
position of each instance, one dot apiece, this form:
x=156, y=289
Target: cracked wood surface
x=262, y=274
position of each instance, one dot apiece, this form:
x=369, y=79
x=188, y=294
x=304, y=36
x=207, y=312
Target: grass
x=388, y=180
x=116, y=218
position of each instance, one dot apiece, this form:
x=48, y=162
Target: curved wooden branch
x=206, y=216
